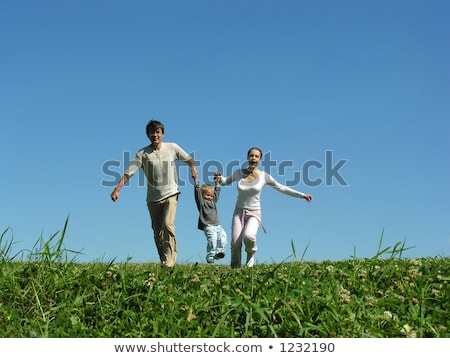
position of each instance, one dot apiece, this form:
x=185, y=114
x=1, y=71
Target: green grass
x=43, y=293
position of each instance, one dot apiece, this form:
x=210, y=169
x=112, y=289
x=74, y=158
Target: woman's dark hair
x=153, y=125
x=255, y=148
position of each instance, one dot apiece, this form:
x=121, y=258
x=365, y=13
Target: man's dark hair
x=153, y=125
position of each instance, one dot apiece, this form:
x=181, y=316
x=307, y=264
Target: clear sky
x=349, y=101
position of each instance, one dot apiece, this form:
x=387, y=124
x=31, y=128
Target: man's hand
x=115, y=195
x=194, y=172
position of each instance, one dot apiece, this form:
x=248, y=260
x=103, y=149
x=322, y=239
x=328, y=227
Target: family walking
x=157, y=160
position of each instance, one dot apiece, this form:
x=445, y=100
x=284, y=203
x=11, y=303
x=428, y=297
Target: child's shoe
x=219, y=255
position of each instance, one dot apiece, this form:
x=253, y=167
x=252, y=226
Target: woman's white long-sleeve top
x=249, y=193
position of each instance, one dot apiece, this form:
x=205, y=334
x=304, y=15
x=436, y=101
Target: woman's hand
x=308, y=197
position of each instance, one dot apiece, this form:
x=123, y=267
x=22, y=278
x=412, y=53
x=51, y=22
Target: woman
x=247, y=213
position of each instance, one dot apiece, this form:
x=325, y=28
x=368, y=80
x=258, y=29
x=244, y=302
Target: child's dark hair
x=153, y=125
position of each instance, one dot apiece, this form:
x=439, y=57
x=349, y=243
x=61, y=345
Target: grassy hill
x=47, y=295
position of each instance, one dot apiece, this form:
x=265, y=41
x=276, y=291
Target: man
x=158, y=163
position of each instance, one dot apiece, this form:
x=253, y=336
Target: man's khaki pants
x=162, y=214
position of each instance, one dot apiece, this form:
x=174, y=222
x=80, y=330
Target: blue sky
x=367, y=82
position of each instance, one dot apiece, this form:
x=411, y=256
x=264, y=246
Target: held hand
x=217, y=177
x=194, y=172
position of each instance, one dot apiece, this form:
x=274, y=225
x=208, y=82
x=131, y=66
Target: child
x=206, y=198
